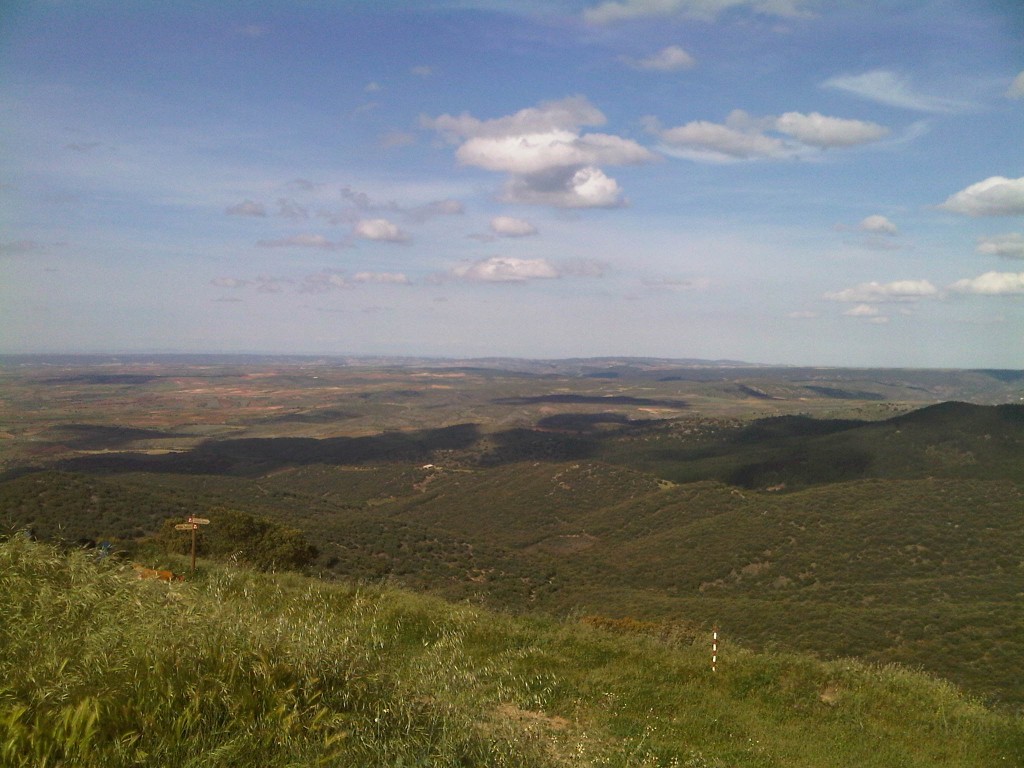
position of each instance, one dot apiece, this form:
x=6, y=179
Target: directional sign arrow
x=184, y=527
x=199, y=520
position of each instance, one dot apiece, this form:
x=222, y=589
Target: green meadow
x=236, y=667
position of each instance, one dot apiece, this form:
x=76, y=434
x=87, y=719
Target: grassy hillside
x=238, y=668
x=915, y=558
x=893, y=538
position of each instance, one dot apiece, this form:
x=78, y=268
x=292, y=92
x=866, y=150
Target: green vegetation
x=242, y=538
x=240, y=668
x=839, y=513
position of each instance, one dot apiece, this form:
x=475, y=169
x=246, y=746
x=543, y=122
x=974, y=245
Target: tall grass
x=237, y=668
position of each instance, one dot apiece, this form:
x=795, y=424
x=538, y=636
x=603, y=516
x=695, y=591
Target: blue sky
x=814, y=182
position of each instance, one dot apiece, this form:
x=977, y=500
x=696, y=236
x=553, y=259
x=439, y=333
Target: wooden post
x=193, y=525
x=714, y=649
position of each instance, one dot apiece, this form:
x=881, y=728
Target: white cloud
x=571, y=114
x=743, y=137
x=995, y=196
x=384, y=278
x=300, y=241
x=817, y=130
x=525, y=154
x=507, y=226
x=668, y=59
x=549, y=160
x=879, y=225
x=1016, y=89
x=874, y=292
x=379, y=229
x=503, y=269
x=712, y=141
x=888, y=88
x=991, y=284
x=627, y=10
x=1010, y=245
x=862, y=310
x=565, y=188
x=422, y=71
x=247, y=208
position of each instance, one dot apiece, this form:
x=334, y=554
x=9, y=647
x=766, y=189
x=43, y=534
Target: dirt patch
x=528, y=717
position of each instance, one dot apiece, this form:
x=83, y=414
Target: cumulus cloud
x=1010, y=245
x=874, y=292
x=247, y=208
x=525, y=154
x=628, y=10
x=566, y=188
x=1016, y=89
x=878, y=225
x=507, y=226
x=548, y=158
x=505, y=269
x=300, y=241
x=995, y=196
x=379, y=229
x=743, y=137
x=991, y=284
x=735, y=140
x=817, y=130
x=886, y=87
x=668, y=59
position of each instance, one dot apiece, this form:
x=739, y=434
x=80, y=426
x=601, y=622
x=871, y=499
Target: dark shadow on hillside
x=592, y=422
x=257, y=456
x=590, y=400
x=531, y=445
x=97, y=437
x=844, y=394
x=784, y=427
x=804, y=466
x=128, y=379
x=962, y=415
x=318, y=416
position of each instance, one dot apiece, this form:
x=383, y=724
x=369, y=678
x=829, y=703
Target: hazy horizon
x=785, y=182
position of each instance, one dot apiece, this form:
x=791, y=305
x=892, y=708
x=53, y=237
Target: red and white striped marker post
x=714, y=649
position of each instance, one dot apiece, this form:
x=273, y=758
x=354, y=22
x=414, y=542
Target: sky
x=803, y=182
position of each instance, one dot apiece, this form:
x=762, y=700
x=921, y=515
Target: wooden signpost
x=192, y=525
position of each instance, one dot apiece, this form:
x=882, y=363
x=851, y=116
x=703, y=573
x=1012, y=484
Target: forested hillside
x=876, y=529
